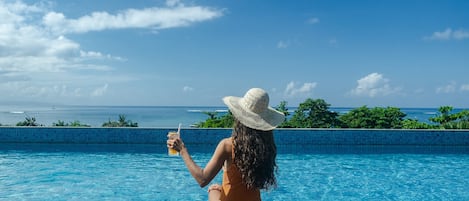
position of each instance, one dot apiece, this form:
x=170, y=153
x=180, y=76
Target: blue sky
x=409, y=53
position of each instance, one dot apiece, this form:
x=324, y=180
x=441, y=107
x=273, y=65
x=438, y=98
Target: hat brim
x=267, y=120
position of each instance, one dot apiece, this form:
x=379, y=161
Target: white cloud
x=449, y=88
x=9, y=77
x=373, y=85
x=464, y=87
x=28, y=47
x=26, y=89
x=100, y=91
x=99, y=55
x=65, y=87
x=283, y=44
x=187, y=89
x=313, y=20
x=452, y=87
x=448, y=34
x=177, y=15
x=460, y=34
x=444, y=35
x=37, y=59
x=306, y=89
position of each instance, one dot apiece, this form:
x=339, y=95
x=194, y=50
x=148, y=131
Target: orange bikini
x=233, y=188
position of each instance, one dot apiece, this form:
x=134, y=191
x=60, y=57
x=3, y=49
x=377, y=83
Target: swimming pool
x=145, y=172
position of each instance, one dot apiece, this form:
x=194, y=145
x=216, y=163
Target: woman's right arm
x=203, y=176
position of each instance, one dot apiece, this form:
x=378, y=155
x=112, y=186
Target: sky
x=399, y=53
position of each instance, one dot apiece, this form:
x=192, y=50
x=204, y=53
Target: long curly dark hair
x=254, y=155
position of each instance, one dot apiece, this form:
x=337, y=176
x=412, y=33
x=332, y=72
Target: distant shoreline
x=147, y=116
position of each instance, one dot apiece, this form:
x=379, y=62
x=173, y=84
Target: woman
x=247, y=157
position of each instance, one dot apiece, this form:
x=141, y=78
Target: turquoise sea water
x=95, y=116
x=145, y=172
x=145, y=116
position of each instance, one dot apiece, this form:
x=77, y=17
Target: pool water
x=145, y=172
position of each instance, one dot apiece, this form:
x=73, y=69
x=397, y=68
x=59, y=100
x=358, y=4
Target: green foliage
x=364, y=117
x=282, y=107
x=313, y=113
x=448, y=120
x=357, y=118
x=414, y=124
x=122, y=122
x=215, y=121
x=29, y=121
x=463, y=115
x=75, y=123
x=59, y=123
x=457, y=125
x=444, y=115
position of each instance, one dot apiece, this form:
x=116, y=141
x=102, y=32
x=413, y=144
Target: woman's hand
x=175, y=143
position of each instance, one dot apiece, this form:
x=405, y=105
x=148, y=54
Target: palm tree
x=29, y=121
x=122, y=122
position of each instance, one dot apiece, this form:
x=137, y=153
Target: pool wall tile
x=296, y=137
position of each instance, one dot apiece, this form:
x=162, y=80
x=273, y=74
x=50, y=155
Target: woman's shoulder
x=227, y=140
x=227, y=143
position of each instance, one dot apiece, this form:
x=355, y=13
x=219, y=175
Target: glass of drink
x=173, y=135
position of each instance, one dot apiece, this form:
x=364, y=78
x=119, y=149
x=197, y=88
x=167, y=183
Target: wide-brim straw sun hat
x=253, y=110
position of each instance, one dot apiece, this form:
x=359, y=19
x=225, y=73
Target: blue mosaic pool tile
x=290, y=137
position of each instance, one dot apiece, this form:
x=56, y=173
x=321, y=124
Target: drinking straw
x=179, y=128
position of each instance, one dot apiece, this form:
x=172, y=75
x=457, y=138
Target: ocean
x=95, y=116
x=145, y=116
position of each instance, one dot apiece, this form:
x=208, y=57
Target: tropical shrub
x=415, y=124
x=364, y=117
x=447, y=120
x=313, y=113
x=122, y=122
x=282, y=107
x=75, y=123
x=444, y=115
x=29, y=121
x=215, y=121
x=457, y=125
